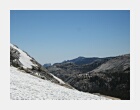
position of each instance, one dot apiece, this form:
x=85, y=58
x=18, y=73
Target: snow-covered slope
x=23, y=61
x=27, y=87
x=24, y=58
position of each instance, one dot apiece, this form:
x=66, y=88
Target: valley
x=79, y=79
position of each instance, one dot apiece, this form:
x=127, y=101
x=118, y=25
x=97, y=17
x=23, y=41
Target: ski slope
x=24, y=86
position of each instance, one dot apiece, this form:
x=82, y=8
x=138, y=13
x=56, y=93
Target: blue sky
x=52, y=36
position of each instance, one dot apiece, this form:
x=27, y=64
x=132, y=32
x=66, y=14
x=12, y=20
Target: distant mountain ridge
x=83, y=60
x=109, y=76
x=47, y=65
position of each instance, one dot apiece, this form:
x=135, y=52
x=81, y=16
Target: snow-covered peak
x=24, y=58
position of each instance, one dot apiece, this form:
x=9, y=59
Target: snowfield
x=24, y=86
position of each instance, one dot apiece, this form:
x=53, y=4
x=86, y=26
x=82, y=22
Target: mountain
x=108, y=76
x=47, y=65
x=83, y=60
x=24, y=62
x=31, y=81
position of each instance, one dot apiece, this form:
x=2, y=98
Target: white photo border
x=7, y=5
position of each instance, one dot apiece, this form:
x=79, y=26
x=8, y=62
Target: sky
x=52, y=36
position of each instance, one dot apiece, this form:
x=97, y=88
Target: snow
x=24, y=58
x=26, y=61
x=24, y=86
x=60, y=81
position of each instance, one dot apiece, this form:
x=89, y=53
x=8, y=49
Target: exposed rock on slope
x=117, y=64
x=67, y=69
x=109, y=76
